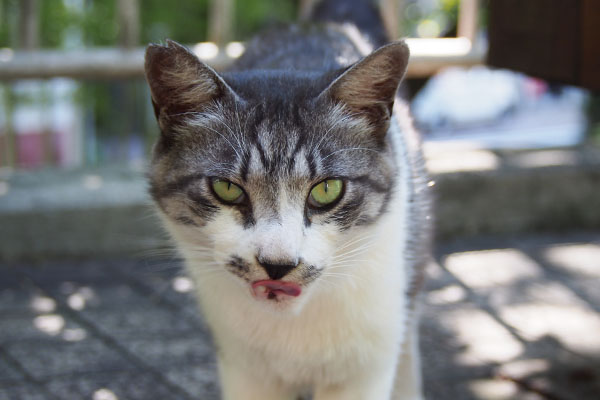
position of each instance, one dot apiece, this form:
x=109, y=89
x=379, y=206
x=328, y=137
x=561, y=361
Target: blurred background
x=505, y=93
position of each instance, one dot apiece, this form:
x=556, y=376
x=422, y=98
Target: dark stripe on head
x=247, y=215
x=312, y=166
x=245, y=165
x=374, y=185
x=185, y=221
x=202, y=207
x=348, y=214
x=172, y=188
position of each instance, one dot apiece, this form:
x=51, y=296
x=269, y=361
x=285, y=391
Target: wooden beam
x=427, y=57
x=590, y=44
x=391, y=10
x=28, y=24
x=468, y=19
x=220, y=23
x=129, y=23
x=305, y=8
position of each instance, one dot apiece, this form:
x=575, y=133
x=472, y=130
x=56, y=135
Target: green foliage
x=433, y=18
x=184, y=21
x=253, y=15
x=99, y=23
x=8, y=22
x=55, y=18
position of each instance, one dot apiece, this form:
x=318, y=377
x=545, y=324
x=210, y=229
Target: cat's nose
x=277, y=270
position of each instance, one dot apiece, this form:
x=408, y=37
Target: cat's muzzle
x=275, y=289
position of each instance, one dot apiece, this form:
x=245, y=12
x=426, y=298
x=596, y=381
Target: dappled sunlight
x=104, y=394
x=443, y=161
x=234, y=49
x=56, y=325
x=74, y=334
x=206, y=50
x=439, y=47
x=573, y=326
x=51, y=324
x=78, y=297
x=484, y=339
x=578, y=258
x=527, y=367
x=43, y=304
x=545, y=158
x=76, y=301
x=447, y=295
x=490, y=268
x=493, y=389
x=182, y=284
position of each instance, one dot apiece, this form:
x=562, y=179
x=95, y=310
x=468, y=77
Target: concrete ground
x=502, y=318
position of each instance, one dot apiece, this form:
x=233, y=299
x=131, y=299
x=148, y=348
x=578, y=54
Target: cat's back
x=303, y=47
x=334, y=35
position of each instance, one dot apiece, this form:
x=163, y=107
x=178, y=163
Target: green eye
x=227, y=191
x=325, y=193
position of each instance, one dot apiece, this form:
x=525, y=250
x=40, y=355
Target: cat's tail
x=364, y=14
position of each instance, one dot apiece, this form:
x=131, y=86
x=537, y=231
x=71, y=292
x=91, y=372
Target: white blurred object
x=458, y=96
x=499, y=109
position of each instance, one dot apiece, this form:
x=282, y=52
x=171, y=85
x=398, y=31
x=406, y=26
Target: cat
x=294, y=187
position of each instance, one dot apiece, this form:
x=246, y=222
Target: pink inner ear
x=373, y=80
x=178, y=80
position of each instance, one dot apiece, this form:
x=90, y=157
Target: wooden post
x=391, y=11
x=129, y=23
x=305, y=8
x=28, y=24
x=221, y=21
x=467, y=19
x=10, y=147
x=123, y=93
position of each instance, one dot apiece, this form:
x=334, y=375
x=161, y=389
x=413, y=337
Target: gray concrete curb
x=108, y=212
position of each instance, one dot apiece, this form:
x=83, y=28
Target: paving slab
x=131, y=385
x=44, y=360
x=24, y=391
x=199, y=381
x=502, y=318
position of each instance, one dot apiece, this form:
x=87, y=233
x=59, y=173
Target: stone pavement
x=514, y=318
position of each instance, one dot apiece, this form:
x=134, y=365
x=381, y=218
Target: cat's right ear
x=180, y=83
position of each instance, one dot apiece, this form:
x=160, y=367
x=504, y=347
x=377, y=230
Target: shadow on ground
x=502, y=319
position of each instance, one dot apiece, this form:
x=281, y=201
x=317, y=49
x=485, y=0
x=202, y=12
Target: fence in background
x=125, y=62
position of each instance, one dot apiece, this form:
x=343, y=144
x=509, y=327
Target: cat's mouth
x=275, y=289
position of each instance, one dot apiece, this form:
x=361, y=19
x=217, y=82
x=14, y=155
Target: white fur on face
x=285, y=237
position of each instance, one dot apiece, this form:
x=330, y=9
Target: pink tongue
x=276, y=287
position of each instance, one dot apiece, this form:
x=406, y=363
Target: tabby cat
x=294, y=187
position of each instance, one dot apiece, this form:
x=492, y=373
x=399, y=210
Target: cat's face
x=267, y=179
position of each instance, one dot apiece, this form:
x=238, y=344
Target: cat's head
x=272, y=178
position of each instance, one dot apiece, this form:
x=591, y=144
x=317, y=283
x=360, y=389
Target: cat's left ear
x=368, y=88
x=180, y=83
